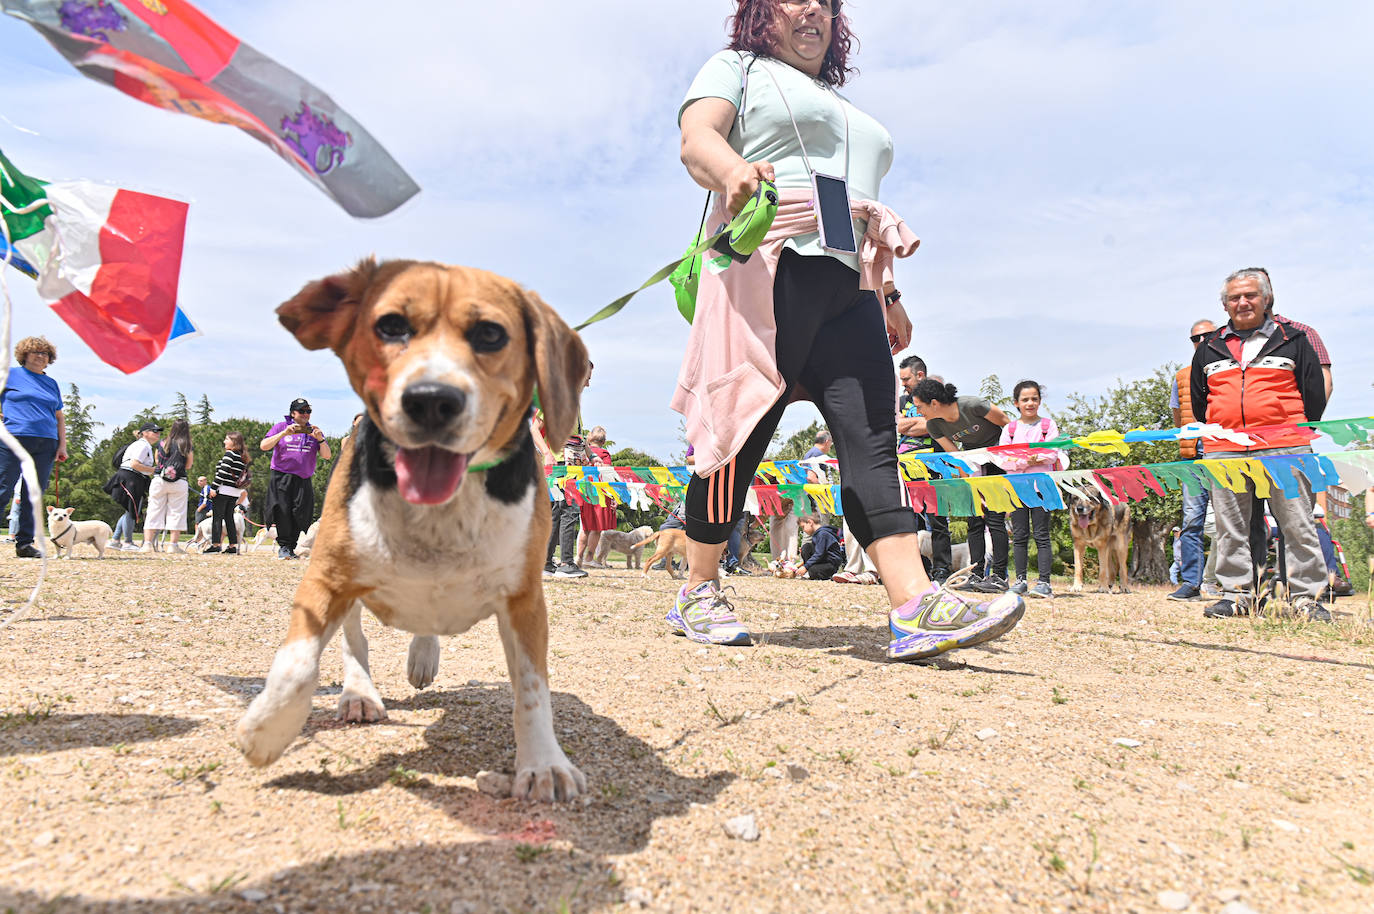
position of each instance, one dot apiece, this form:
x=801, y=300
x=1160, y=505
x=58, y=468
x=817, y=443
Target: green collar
x=490, y=464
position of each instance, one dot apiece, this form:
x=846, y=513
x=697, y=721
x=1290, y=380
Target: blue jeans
x=733, y=543
x=124, y=528
x=1328, y=549
x=1191, y=556
x=44, y=452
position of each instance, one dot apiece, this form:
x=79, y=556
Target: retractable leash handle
x=748, y=229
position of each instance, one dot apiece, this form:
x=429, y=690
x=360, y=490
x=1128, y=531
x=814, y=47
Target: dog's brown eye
x=393, y=328
x=486, y=336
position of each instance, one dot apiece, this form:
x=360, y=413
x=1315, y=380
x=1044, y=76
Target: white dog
x=307, y=540
x=267, y=536
x=204, y=529
x=66, y=533
x=783, y=531
x=624, y=542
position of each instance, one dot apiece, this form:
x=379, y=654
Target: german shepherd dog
x=1106, y=528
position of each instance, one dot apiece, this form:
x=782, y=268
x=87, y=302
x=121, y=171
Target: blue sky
x=1082, y=176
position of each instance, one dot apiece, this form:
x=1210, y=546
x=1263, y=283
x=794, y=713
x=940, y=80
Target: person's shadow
x=511, y=864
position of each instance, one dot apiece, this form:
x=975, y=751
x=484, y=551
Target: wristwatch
x=893, y=297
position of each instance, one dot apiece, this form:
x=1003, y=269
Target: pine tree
x=204, y=411
x=181, y=409
x=80, y=425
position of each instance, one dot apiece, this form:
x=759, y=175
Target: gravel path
x=1114, y=753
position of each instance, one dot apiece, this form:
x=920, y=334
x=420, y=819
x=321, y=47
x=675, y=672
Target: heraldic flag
x=171, y=55
x=107, y=259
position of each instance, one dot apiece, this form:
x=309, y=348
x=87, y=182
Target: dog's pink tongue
x=1084, y=520
x=429, y=475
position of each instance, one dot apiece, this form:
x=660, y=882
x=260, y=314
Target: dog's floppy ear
x=321, y=315
x=560, y=367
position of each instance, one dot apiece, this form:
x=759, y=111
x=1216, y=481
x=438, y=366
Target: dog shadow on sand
x=629, y=785
x=522, y=857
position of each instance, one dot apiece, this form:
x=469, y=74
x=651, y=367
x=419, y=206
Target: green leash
x=743, y=234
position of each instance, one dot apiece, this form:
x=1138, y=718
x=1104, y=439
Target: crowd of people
x=150, y=483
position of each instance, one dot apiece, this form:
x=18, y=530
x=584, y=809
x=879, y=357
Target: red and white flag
x=108, y=260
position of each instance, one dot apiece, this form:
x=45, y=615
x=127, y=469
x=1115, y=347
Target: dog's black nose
x=433, y=406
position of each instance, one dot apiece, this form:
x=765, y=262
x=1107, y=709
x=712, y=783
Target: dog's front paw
x=263, y=734
x=558, y=781
x=422, y=662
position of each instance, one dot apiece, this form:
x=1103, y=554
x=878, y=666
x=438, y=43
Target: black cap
x=150, y=427
x=300, y=404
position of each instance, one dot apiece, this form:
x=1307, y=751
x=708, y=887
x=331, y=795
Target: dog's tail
x=647, y=540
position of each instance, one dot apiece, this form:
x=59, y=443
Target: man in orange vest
x=1194, y=505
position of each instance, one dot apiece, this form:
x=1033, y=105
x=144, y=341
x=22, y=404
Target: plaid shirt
x=1312, y=337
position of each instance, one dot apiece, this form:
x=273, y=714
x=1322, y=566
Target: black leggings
x=223, y=517
x=1022, y=520
x=996, y=524
x=832, y=340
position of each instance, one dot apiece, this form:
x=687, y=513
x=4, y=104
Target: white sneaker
x=176, y=547
x=147, y=547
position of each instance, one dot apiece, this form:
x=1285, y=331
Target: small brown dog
x=1106, y=528
x=671, y=541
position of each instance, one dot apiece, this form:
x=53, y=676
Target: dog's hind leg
x=422, y=661
x=360, y=702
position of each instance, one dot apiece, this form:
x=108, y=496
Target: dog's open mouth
x=429, y=475
x=1084, y=520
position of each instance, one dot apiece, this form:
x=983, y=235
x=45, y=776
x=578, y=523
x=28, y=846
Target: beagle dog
x=436, y=516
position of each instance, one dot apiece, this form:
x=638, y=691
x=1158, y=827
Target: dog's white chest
x=438, y=570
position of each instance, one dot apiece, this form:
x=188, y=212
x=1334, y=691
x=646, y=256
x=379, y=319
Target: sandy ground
x=1113, y=753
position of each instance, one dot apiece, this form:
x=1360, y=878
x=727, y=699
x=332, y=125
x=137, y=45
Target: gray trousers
x=1235, y=564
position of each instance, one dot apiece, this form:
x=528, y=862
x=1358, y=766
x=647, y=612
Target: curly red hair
x=754, y=28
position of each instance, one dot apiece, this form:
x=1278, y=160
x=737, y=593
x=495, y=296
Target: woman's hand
x=62, y=452
x=898, y=327
x=742, y=182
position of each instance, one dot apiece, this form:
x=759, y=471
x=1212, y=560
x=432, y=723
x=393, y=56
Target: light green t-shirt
x=766, y=132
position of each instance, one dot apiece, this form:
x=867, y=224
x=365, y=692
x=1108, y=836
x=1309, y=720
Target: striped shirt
x=229, y=472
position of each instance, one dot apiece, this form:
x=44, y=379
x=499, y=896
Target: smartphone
x=831, y=199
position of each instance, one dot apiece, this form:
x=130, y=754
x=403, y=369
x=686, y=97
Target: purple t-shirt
x=294, y=454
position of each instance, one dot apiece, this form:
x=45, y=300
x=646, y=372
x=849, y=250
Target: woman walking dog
x=797, y=319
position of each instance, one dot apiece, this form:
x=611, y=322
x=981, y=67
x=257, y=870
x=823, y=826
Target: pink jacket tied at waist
x=729, y=377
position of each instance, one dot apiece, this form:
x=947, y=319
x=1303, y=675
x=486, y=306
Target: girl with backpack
x=230, y=482
x=168, y=493
x=1031, y=428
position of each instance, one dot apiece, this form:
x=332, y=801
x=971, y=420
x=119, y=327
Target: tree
x=797, y=445
x=991, y=389
x=80, y=425
x=181, y=409
x=204, y=411
x=1130, y=405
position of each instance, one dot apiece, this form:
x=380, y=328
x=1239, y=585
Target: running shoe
x=1226, y=608
x=1020, y=587
x=1186, y=593
x=1310, y=610
x=569, y=571
x=704, y=614
x=938, y=620
x=993, y=583
x=1041, y=589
